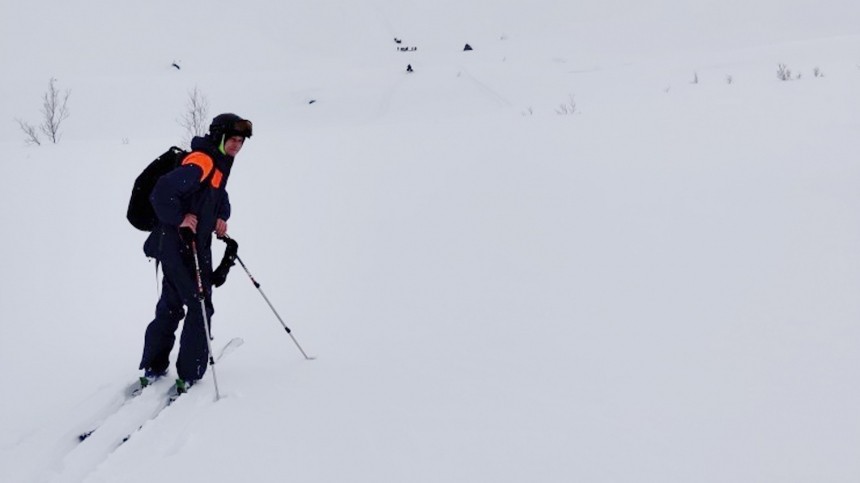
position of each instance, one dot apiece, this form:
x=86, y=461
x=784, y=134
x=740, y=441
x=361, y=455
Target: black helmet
x=230, y=124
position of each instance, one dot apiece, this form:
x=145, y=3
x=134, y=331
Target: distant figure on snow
x=467, y=47
x=409, y=68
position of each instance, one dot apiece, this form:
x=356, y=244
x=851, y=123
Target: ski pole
x=257, y=284
x=201, y=295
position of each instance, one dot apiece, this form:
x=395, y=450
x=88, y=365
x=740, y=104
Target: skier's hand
x=187, y=236
x=190, y=222
x=220, y=227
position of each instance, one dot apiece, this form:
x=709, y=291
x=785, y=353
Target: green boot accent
x=181, y=386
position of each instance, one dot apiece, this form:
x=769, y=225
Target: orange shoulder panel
x=203, y=161
x=216, y=178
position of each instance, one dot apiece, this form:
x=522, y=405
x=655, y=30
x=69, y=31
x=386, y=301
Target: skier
x=191, y=202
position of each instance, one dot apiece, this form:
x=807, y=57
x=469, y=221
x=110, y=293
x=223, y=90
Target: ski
x=132, y=391
x=173, y=393
x=229, y=347
x=137, y=388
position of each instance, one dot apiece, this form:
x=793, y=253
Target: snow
x=661, y=287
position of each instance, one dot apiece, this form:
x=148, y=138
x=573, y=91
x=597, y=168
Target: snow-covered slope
x=660, y=287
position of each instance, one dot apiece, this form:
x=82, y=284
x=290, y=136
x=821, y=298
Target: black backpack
x=140, y=213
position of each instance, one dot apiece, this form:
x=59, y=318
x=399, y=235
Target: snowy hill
x=658, y=287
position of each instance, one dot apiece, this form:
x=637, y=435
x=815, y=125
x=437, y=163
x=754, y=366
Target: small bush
x=783, y=73
x=32, y=137
x=196, y=115
x=55, y=110
x=567, y=108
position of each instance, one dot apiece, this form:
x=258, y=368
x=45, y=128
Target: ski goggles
x=242, y=127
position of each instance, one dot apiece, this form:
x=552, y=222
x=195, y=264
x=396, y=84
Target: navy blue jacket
x=197, y=186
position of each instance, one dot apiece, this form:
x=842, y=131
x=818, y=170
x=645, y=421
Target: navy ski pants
x=179, y=291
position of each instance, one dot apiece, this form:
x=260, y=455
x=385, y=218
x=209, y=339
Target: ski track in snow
x=499, y=99
x=116, y=423
x=385, y=101
x=84, y=457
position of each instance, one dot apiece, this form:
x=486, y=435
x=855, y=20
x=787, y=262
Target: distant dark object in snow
x=467, y=47
x=397, y=41
x=312, y=101
x=409, y=68
x=175, y=64
x=407, y=49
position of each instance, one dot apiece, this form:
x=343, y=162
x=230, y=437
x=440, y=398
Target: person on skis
x=191, y=203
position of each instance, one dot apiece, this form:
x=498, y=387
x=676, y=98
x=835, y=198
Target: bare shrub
x=32, y=137
x=817, y=72
x=729, y=79
x=567, y=108
x=195, y=116
x=54, y=111
x=783, y=73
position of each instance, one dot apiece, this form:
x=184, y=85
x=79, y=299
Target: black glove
x=186, y=235
x=232, y=250
x=219, y=275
